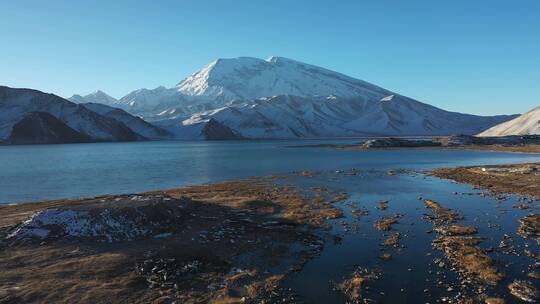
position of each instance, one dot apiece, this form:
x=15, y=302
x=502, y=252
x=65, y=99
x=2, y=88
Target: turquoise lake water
x=30, y=173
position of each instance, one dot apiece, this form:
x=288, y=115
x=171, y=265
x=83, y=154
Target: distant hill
x=133, y=122
x=31, y=116
x=526, y=124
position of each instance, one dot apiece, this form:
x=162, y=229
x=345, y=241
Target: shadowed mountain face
x=284, y=98
x=43, y=128
x=135, y=123
x=17, y=104
x=214, y=130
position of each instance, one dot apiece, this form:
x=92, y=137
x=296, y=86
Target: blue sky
x=479, y=56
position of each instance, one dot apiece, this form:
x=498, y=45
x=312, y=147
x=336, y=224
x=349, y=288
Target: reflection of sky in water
x=57, y=171
x=410, y=268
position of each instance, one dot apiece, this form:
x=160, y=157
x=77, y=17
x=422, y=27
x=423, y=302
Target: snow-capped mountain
x=526, y=124
x=18, y=104
x=251, y=78
x=284, y=98
x=287, y=116
x=144, y=100
x=95, y=97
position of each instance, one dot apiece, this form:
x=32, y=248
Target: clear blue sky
x=476, y=56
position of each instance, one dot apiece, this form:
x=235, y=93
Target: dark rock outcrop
x=214, y=130
x=398, y=142
x=43, y=128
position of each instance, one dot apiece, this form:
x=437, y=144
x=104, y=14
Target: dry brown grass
x=352, y=287
x=90, y=272
x=458, y=230
x=385, y=224
x=393, y=239
x=464, y=253
x=529, y=226
x=442, y=214
x=521, y=178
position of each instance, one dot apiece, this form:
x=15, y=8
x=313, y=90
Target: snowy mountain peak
x=251, y=78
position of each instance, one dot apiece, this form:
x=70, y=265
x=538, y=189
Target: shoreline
x=522, y=179
x=533, y=149
x=236, y=240
x=514, y=143
x=125, y=238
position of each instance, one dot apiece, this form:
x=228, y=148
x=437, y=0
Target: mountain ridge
x=21, y=105
x=284, y=98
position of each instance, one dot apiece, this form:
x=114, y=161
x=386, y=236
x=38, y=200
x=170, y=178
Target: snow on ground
x=103, y=224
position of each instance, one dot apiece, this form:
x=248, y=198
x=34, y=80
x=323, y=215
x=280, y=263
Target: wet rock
x=523, y=290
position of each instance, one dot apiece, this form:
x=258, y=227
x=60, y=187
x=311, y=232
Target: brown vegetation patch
x=463, y=252
x=520, y=178
x=457, y=230
x=441, y=214
x=529, y=226
x=354, y=287
x=393, y=239
x=385, y=224
x=498, y=148
x=195, y=261
x=524, y=290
